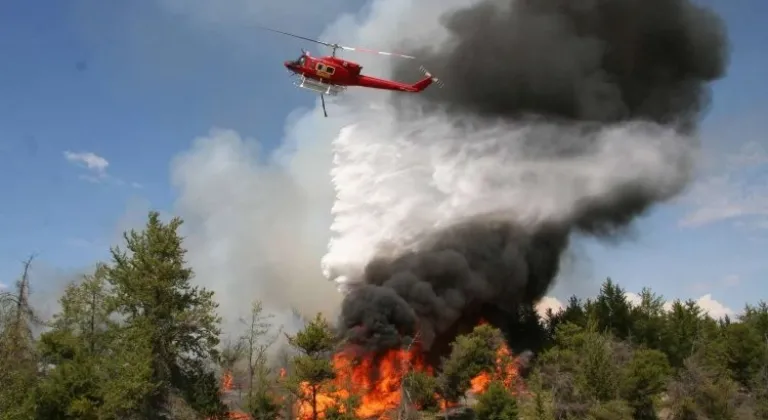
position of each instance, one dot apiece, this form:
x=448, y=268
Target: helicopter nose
x=287, y=65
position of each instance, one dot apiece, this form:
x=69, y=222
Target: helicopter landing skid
x=320, y=88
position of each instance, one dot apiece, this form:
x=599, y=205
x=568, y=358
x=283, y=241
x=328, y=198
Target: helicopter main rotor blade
x=301, y=37
x=334, y=46
x=376, y=52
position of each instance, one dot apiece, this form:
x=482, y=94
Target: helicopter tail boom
x=376, y=83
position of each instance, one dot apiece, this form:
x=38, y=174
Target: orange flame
x=228, y=384
x=377, y=381
x=227, y=381
x=506, y=372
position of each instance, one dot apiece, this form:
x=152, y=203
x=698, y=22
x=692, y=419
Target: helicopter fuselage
x=339, y=74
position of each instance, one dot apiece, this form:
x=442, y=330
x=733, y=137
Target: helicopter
x=332, y=75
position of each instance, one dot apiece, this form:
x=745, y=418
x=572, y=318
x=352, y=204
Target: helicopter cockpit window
x=301, y=60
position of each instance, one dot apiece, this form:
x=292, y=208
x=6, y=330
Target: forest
x=137, y=339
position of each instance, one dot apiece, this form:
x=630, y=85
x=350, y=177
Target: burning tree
x=312, y=368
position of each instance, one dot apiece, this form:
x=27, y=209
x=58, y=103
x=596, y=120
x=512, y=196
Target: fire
x=379, y=378
x=227, y=384
x=227, y=381
x=506, y=372
x=377, y=381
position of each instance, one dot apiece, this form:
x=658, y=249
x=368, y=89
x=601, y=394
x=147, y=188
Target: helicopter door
x=324, y=70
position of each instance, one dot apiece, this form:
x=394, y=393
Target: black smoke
x=590, y=60
x=460, y=273
x=574, y=67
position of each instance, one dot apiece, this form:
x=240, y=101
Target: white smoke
x=255, y=226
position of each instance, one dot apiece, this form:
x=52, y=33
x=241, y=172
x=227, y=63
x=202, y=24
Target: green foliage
x=18, y=356
x=599, y=367
x=130, y=338
x=153, y=294
x=612, y=310
x=421, y=390
x=79, y=346
x=316, y=339
x=540, y=405
x=496, y=404
x=470, y=354
x=610, y=410
x=313, y=366
x=745, y=350
x=644, y=378
x=315, y=342
x=609, y=356
x=263, y=405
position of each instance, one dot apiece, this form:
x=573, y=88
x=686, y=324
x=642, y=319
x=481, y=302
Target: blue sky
x=134, y=83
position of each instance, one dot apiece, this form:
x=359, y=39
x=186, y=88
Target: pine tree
x=18, y=355
x=153, y=293
x=496, y=404
x=76, y=348
x=312, y=369
x=470, y=355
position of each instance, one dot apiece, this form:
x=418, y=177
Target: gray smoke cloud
x=602, y=61
x=557, y=117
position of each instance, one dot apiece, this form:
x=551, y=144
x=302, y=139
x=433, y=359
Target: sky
x=110, y=109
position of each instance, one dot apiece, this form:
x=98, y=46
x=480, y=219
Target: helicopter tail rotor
x=439, y=83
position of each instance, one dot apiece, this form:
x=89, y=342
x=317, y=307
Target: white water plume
x=396, y=180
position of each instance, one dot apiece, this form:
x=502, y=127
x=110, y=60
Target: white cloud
x=714, y=308
x=89, y=160
x=709, y=305
x=96, y=167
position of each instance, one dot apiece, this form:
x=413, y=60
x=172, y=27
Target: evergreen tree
x=745, y=352
x=77, y=347
x=421, y=388
x=644, y=379
x=18, y=356
x=154, y=295
x=312, y=368
x=612, y=310
x=496, y=404
x=648, y=320
x=540, y=404
x=470, y=355
x=682, y=330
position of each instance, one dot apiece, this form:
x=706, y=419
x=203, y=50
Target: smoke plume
x=557, y=117
x=602, y=61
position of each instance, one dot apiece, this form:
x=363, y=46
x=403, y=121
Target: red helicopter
x=331, y=75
